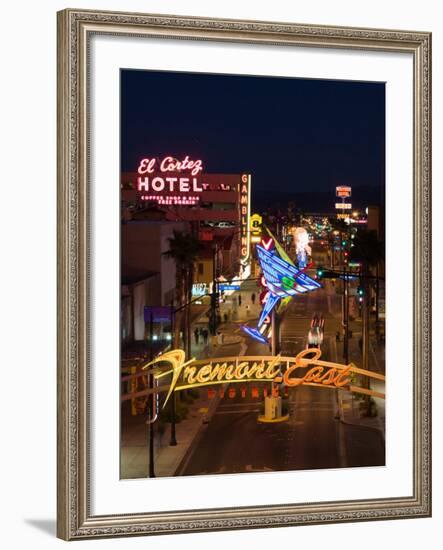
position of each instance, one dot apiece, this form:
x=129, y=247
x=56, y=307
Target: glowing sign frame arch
x=260, y=368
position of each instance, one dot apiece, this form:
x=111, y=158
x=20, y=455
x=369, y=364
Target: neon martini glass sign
x=282, y=279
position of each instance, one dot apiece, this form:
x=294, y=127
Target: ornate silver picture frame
x=75, y=516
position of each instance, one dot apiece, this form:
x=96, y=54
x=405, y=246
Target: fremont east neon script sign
x=304, y=369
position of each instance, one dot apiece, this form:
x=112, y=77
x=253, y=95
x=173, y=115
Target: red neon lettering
x=244, y=178
x=244, y=189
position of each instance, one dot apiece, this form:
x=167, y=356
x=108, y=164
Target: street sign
x=343, y=191
x=225, y=287
x=343, y=205
x=160, y=314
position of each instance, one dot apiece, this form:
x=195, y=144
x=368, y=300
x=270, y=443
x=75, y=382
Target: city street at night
x=252, y=275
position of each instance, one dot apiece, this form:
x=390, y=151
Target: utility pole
x=173, y=441
x=274, y=334
x=214, y=294
x=151, y=406
x=365, y=327
x=377, y=301
x=346, y=318
x=187, y=316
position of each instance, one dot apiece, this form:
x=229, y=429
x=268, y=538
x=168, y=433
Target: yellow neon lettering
x=204, y=374
x=189, y=374
x=212, y=371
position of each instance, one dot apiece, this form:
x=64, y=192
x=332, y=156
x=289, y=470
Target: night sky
x=294, y=135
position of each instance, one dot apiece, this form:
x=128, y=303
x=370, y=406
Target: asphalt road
x=234, y=442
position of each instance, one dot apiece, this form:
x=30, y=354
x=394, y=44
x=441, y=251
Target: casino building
x=216, y=206
x=166, y=194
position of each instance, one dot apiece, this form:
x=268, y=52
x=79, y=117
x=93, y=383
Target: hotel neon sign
x=247, y=369
x=163, y=182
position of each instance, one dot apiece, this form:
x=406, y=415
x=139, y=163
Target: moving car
x=316, y=332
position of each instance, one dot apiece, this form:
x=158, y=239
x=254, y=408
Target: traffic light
x=360, y=291
x=343, y=243
x=320, y=272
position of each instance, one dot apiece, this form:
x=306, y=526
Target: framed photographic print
x=243, y=274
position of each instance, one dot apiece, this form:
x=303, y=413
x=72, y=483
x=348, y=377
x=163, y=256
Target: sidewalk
x=168, y=459
x=350, y=413
x=349, y=408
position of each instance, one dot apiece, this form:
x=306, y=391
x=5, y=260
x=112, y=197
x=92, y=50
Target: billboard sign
x=343, y=205
x=255, y=224
x=343, y=191
x=160, y=314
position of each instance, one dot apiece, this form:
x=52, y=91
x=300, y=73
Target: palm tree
x=369, y=251
x=367, y=248
x=183, y=249
x=342, y=227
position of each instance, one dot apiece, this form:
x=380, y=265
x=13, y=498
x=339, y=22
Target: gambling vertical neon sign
x=245, y=213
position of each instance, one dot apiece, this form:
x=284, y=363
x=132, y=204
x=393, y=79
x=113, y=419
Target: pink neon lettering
x=157, y=184
x=184, y=184
x=146, y=165
x=143, y=184
x=169, y=164
x=195, y=186
x=171, y=182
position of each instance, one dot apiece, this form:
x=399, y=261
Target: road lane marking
x=237, y=412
